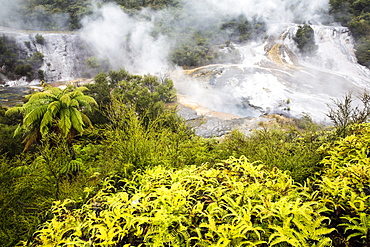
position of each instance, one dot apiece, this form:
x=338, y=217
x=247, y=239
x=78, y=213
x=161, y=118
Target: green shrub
x=344, y=113
x=41, y=75
x=355, y=15
x=305, y=39
x=290, y=149
x=363, y=53
x=235, y=203
x=134, y=144
x=23, y=69
x=344, y=187
x=28, y=44
x=36, y=59
x=40, y=39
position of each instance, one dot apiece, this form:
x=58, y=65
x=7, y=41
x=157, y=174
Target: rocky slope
x=275, y=78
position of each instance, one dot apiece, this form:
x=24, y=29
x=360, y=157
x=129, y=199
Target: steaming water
x=274, y=77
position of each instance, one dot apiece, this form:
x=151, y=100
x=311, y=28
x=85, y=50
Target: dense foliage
x=66, y=15
x=235, y=203
x=344, y=186
x=141, y=177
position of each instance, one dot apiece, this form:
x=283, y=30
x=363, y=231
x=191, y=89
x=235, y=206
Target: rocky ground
x=208, y=123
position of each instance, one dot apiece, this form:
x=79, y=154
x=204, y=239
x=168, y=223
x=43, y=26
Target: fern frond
x=34, y=116
x=81, y=89
x=324, y=242
x=74, y=103
x=14, y=110
x=54, y=108
x=76, y=120
x=65, y=123
x=66, y=99
x=86, y=101
x=18, y=130
x=46, y=96
x=46, y=121
x=72, y=166
x=31, y=138
x=20, y=170
x=55, y=91
x=86, y=120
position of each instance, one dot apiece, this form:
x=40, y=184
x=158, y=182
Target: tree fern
x=54, y=110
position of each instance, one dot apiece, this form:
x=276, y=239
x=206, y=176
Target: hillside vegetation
x=112, y=163
x=140, y=177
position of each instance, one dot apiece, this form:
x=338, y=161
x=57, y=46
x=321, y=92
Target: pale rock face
x=274, y=77
x=64, y=53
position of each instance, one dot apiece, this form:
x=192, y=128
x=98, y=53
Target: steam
x=12, y=14
x=124, y=40
x=275, y=11
x=134, y=42
x=7, y=11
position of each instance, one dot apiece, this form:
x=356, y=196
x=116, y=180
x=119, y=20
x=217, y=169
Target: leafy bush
x=23, y=69
x=9, y=145
x=36, y=59
x=41, y=75
x=305, y=39
x=135, y=144
x=235, y=203
x=27, y=44
x=17, y=64
x=363, y=53
x=9, y=55
x=193, y=51
x=95, y=66
x=147, y=94
x=285, y=147
x=344, y=186
x=240, y=29
x=40, y=39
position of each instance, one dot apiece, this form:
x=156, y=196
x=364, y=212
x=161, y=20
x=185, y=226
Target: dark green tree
x=305, y=39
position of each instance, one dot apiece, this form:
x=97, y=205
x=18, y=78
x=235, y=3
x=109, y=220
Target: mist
x=275, y=11
x=8, y=12
x=125, y=41
x=142, y=42
x=13, y=14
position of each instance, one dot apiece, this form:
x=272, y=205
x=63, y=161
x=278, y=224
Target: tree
x=54, y=110
x=344, y=113
x=305, y=39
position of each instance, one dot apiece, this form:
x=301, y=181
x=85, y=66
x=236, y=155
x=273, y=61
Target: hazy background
x=133, y=42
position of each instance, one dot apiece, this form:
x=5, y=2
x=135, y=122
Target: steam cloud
x=128, y=41
x=7, y=11
x=125, y=41
x=12, y=11
x=274, y=11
